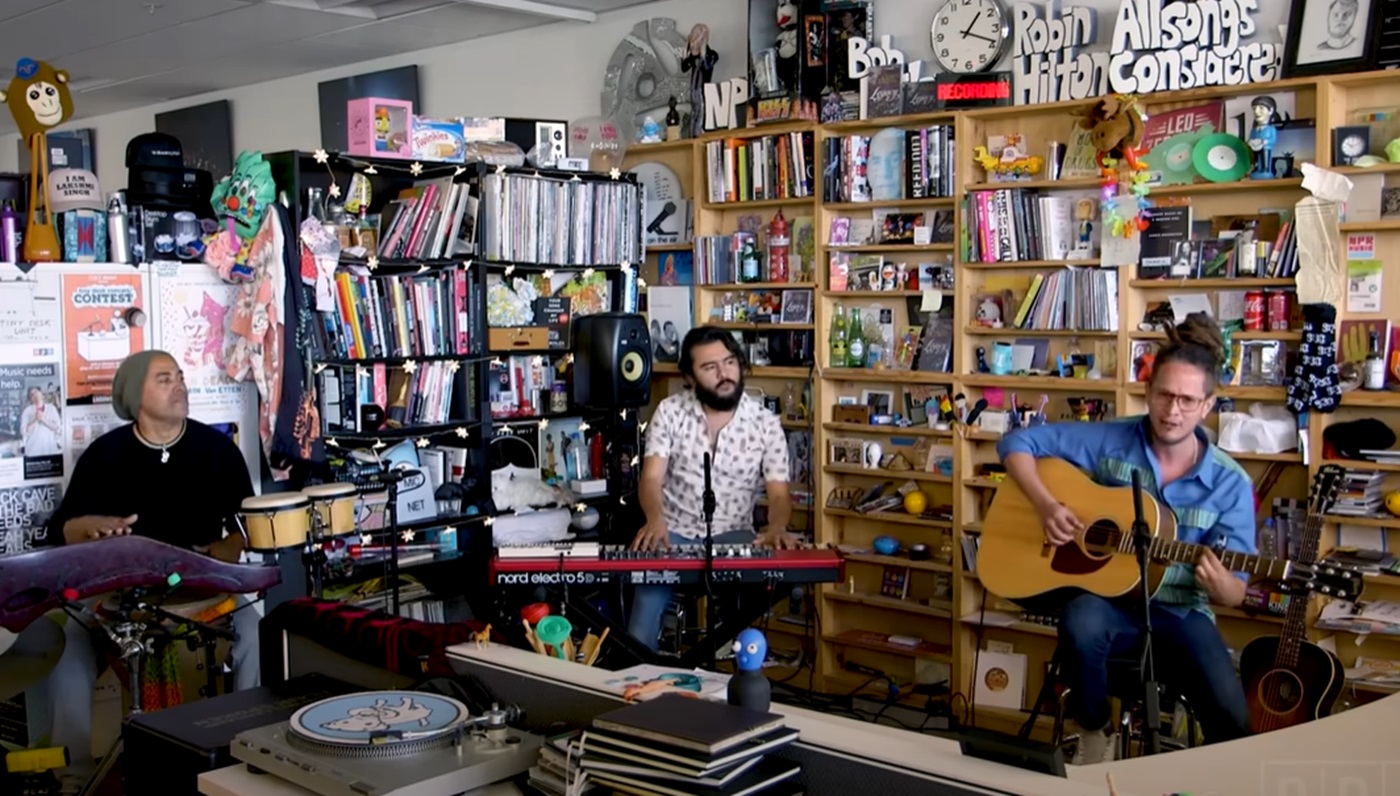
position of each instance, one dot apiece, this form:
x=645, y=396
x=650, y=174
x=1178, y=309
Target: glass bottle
x=839, y=351
x=790, y=402
x=749, y=270
x=778, y=242
x=316, y=205
x=1375, y=364
x=856, y=344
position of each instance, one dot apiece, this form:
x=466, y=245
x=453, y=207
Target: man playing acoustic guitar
x=1214, y=503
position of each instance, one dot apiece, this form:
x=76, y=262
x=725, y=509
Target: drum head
x=330, y=491
x=282, y=502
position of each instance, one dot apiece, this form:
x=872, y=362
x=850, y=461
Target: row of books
x=893, y=164
x=1083, y=299
x=755, y=169
x=1017, y=224
x=553, y=221
x=429, y=221
x=672, y=745
x=398, y=316
x=350, y=394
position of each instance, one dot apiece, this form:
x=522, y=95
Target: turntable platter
x=377, y=717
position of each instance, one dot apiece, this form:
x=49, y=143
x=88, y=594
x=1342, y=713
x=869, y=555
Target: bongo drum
x=335, y=507
x=275, y=522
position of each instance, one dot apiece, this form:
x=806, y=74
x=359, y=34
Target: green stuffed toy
x=240, y=202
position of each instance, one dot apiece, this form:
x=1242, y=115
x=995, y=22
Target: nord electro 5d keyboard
x=677, y=565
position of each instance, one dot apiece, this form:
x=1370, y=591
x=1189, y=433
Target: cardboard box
x=504, y=339
x=381, y=128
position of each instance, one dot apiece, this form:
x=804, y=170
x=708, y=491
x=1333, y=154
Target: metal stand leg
x=132, y=659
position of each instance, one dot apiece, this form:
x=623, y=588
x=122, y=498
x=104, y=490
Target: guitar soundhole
x=1280, y=691
x=1103, y=538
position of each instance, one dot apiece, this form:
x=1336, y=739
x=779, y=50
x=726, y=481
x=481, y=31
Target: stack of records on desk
x=678, y=746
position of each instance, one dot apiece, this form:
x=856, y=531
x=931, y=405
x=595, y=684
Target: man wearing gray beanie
x=163, y=476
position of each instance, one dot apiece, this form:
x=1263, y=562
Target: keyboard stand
x=753, y=604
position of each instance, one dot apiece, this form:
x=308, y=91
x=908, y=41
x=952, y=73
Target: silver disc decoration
x=644, y=72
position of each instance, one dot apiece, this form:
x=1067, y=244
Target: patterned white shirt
x=751, y=450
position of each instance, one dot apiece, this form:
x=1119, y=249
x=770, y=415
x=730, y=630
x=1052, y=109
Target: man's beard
x=721, y=403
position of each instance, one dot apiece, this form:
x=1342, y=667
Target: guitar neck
x=1187, y=553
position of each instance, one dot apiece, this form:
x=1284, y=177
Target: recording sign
x=985, y=90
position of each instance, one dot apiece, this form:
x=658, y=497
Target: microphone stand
x=1142, y=543
x=708, y=507
x=391, y=480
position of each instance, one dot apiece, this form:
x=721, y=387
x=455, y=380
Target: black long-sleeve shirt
x=186, y=501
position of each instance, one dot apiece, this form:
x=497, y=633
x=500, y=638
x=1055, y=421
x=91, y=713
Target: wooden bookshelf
x=854, y=613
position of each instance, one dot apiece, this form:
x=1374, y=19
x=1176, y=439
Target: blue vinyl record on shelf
x=367, y=717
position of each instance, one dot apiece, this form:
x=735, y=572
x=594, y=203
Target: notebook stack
x=679, y=746
x=551, y=776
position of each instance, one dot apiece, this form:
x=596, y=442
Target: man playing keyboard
x=748, y=455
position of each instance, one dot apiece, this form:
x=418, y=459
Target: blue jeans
x=1188, y=655
x=649, y=602
x=61, y=706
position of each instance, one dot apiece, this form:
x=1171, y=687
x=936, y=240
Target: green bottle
x=856, y=344
x=749, y=270
x=839, y=352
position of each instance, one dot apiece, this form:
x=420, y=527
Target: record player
x=389, y=743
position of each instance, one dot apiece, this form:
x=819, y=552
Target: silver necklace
x=163, y=448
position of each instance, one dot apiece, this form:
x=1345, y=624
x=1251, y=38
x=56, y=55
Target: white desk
x=238, y=781
x=1356, y=753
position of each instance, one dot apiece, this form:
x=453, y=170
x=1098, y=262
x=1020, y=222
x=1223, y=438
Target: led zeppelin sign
x=982, y=90
x=1161, y=45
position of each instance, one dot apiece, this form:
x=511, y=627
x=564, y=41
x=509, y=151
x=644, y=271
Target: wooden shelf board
x=1241, y=186
x=1378, y=399
x=669, y=247
x=897, y=561
x=1010, y=331
x=887, y=248
x=893, y=475
x=1075, y=184
x=1379, y=225
x=943, y=611
x=982, y=483
x=1287, y=458
x=1365, y=522
x=928, y=201
x=906, y=120
x=1288, y=337
x=886, y=376
x=758, y=204
x=876, y=642
x=837, y=295
x=1358, y=464
x=1033, y=628
x=1030, y=264
x=891, y=517
x=893, y=431
x=732, y=286
x=770, y=372
x=758, y=131
x=763, y=327
x=637, y=150
x=1235, y=283
x=1039, y=383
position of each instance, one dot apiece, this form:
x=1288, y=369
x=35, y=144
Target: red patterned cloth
x=402, y=646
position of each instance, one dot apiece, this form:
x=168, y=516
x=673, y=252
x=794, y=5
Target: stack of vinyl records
x=679, y=746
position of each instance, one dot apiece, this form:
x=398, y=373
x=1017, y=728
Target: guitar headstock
x=1326, y=485
x=1327, y=578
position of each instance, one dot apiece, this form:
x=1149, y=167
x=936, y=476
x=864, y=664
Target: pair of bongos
x=283, y=521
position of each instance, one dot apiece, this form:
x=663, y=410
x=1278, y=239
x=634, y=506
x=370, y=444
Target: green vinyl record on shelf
x=1221, y=158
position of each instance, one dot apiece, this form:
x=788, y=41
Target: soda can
x=1255, y=311
x=1280, y=310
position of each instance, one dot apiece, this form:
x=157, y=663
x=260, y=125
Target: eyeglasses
x=1165, y=400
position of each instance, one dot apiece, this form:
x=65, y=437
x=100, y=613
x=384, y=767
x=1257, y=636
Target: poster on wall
x=97, y=334
x=24, y=515
x=192, y=308
x=31, y=377
x=29, y=306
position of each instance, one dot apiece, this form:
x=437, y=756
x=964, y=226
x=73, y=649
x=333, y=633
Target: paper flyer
x=24, y=515
x=193, y=308
x=97, y=335
x=31, y=424
x=29, y=307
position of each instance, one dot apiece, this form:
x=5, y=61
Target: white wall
x=551, y=72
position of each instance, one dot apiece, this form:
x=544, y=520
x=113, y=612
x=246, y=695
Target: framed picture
x=1331, y=36
x=1349, y=143
x=881, y=402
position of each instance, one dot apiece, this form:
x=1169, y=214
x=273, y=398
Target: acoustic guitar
x=1015, y=562
x=1288, y=679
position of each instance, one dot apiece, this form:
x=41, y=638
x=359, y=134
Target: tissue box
x=377, y=127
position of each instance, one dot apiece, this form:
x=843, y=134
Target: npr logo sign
x=1331, y=778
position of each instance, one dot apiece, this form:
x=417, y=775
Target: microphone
x=396, y=475
x=667, y=210
x=1137, y=498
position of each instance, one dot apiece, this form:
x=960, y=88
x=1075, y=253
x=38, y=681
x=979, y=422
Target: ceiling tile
x=17, y=8
x=77, y=25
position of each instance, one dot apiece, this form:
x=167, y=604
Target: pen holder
x=554, y=632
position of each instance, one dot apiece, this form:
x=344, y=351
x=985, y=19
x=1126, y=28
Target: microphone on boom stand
x=708, y=507
x=1142, y=543
x=392, y=478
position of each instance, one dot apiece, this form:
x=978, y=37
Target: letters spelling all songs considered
x=1178, y=45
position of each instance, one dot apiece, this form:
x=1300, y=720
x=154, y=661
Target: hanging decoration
x=1116, y=125
x=240, y=201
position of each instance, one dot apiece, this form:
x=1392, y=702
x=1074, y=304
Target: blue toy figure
x=1263, y=136
x=749, y=687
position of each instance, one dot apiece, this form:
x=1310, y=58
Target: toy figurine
x=381, y=130
x=1084, y=212
x=673, y=121
x=1263, y=136
x=700, y=62
x=749, y=687
x=982, y=366
x=482, y=637
x=787, y=44
x=651, y=131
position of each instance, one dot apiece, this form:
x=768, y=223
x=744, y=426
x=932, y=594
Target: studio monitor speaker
x=612, y=361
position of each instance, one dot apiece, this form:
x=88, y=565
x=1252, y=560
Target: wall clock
x=970, y=35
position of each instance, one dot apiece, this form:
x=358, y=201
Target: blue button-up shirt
x=1214, y=502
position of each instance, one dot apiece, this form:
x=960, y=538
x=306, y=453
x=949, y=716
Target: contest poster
x=97, y=334
x=24, y=515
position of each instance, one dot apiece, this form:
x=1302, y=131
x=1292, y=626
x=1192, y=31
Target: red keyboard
x=674, y=566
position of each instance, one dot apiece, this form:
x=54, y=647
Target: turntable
x=389, y=743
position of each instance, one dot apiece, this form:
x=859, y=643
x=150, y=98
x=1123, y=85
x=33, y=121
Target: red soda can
x=1255, y=311
x=1280, y=310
